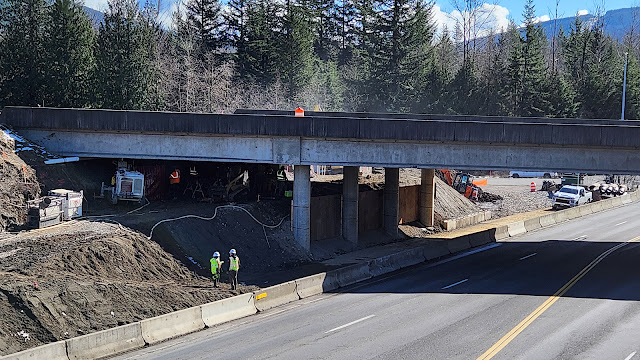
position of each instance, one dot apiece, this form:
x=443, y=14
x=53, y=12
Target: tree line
x=340, y=55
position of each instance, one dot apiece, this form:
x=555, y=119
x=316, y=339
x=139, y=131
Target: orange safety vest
x=174, y=178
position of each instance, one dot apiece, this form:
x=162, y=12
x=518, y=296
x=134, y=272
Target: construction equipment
x=127, y=185
x=71, y=202
x=43, y=212
x=463, y=183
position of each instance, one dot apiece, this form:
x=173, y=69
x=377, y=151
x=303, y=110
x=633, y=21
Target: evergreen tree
x=514, y=79
x=204, y=17
x=235, y=19
x=345, y=13
x=632, y=104
x=260, y=62
x=69, y=45
x=534, y=90
x=297, y=56
x=124, y=58
x=22, y=24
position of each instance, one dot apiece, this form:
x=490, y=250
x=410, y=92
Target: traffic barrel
x=533, y=186
x=299, y=112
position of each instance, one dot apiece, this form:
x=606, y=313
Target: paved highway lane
x=495, y=302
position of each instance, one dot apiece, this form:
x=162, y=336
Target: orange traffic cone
x=533, y=186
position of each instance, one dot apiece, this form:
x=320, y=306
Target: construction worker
x=174, y=183
x=216, y=268
x=281, y=176
x=234, y=266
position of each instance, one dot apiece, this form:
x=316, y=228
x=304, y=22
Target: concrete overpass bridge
x=351, y=140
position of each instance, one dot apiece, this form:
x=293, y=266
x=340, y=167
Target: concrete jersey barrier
x=228, y=309
x=53, y=351
x=547, y=220
x=532, y=224
x=516, y=228
x=396, y=261
x=276, y=295
x=105, y=343
x=351, y=274
x=170, y=325
x=435, y=249
x=458, y=244
x=310, y=285
x=502, y=232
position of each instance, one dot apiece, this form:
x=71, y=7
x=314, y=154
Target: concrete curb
x=228, y=309
x=106, y=342
x=170, y=325
x=53, y=351
x=275, y=295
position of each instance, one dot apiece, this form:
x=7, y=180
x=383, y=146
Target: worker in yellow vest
x=216, y=268
x=234, y=266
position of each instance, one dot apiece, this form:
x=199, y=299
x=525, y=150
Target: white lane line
x=632, y=354
x=452, y=285
x=618, y=224
x=528, y=256
x=580, y=237
x=349, y=324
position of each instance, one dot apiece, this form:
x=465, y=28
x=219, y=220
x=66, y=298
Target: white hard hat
x=216, y=254
x=232, y=251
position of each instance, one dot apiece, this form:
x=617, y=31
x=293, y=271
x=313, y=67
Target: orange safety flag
x=480, y=182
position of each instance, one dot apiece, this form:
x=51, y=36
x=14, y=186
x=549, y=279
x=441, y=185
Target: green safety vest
x=214, y=265
x=234, y=263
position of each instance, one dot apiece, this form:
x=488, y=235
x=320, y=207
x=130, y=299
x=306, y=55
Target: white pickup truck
x=570, y=196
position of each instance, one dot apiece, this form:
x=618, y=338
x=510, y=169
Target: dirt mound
x=18, y=184
x=489, y=197
x=261, y=250
x=90, y=276
x=450, y=204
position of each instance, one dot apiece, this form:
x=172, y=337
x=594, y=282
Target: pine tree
x=534, y=90
x=235, y=32
x=260, y=63
x=204, y=17
x=22, y=24
x=297, y=56
x=514, y=79
x=69, y=56
x=124, y=60
x=344, y=15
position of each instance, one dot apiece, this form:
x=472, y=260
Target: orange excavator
x=463, y=183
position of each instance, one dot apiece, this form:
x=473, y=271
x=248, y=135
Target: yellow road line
x=505, y=340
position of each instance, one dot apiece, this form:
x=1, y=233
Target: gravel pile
x=515, y=199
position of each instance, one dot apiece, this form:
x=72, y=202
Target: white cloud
x=542, y=18
x=582, y=12
x=482, y=20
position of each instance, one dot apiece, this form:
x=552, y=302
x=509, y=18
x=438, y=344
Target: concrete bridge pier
x=302, y=205
x=391, y=191
x=427, y=194
x=350, y=203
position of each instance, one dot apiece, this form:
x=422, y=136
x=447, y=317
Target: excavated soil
x=18, y=184
x=81, y=277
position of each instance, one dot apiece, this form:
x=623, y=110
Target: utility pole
x=624, y=84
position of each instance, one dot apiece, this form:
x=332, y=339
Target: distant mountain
x=616, y=22
x=95, y=15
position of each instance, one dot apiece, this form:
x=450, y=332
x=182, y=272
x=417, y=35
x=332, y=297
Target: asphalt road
x=524, y=299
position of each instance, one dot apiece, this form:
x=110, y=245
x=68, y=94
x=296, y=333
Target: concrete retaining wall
x=276, y=295
x=170, y=325
x=224, y=310
x=105, y=343
x=53, y=351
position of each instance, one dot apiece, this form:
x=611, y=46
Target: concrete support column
x=427, y=193
x=350, y=203
x=391, y=190
x=302, y=205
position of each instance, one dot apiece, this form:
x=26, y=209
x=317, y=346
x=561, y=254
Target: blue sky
x=497, y=14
